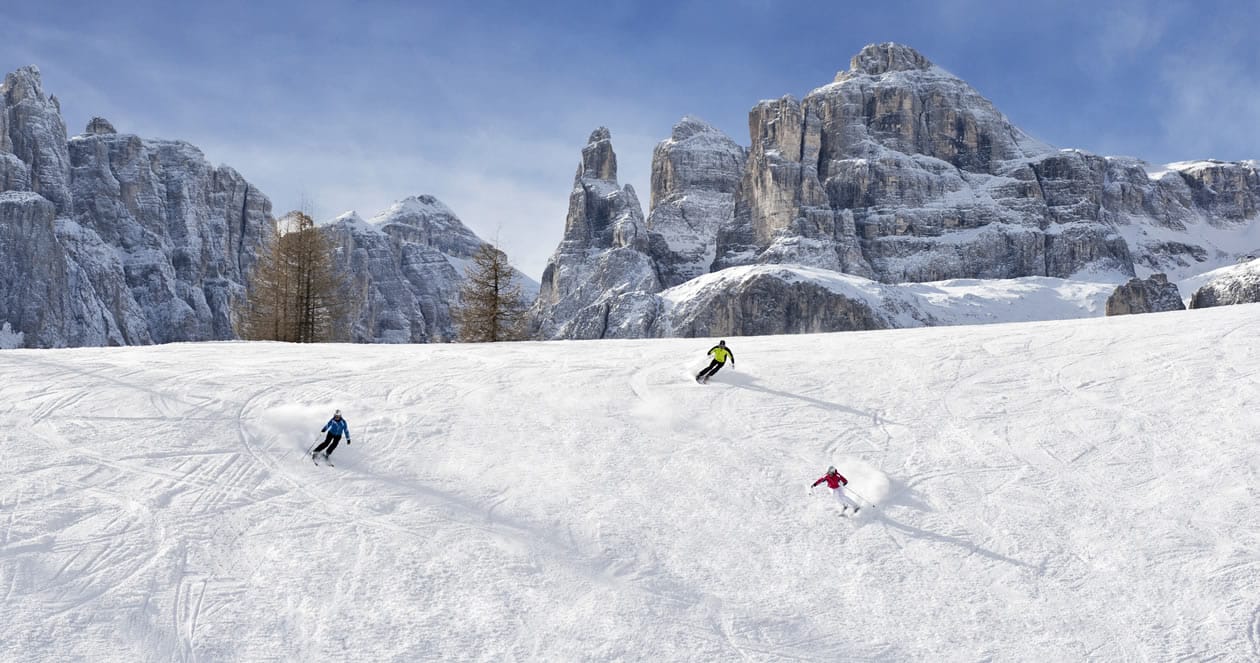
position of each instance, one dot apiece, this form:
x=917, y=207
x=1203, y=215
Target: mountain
x=114, y=239
x=1078, y=490
x=602, y=275
x=900, y=172
x=695, y=174
x=406, y=265
x=1237, y=284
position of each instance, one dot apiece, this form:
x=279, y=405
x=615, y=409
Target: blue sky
x=487, y=104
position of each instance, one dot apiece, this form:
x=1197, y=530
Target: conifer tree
x=296, y=293
x=491, y=306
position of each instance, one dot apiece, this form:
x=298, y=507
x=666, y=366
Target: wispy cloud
x=1211, y=107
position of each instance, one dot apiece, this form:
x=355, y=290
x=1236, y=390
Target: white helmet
x=337, y=413
x=832, y=469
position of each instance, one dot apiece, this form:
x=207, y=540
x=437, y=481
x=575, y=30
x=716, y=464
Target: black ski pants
x=331, y=441
x=714, y=367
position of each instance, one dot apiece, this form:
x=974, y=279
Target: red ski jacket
x=833, y=480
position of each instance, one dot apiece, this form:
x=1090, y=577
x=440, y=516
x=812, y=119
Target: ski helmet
x=722, y=343
x=832, y=470
x=337, y=413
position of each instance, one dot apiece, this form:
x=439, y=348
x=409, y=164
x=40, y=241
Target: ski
x=327, y=460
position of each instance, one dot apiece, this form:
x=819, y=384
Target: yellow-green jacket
x=721, y=353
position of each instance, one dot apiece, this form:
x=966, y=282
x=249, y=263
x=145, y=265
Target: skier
x=836, y=482
x=336, y=427
x=720, y=354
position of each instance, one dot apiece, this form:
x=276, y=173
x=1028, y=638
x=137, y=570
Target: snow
x=1073, y=490
x=952, y=302
x=423, y=206
x=1223, y=241
x=1189, y=286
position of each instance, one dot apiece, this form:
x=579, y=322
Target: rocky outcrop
x=768, y=303
x=187, y=233
x=603, y=253
x=118, y=239
x=694, y=176
x=1150, y=295
x=1235, y=285
x=115, y=239
x=35, y=133
x=100, y=125
x=405, y=267
x=33, y=272
x=900, y=172
x=791, y=299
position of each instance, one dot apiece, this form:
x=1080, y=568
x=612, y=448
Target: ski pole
x=872, y=504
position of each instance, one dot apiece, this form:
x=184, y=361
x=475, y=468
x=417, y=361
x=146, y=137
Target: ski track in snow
x=1075, y=490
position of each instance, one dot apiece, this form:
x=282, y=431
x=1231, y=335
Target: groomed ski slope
x=1076, y=490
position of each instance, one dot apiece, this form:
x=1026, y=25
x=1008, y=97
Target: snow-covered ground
x=1073, y=490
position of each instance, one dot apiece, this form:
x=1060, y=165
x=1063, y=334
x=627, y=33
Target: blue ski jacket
x=337, y=428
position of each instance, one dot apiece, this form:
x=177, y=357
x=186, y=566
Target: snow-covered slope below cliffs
x=777, y=299
x=406, y=267
x=1236, y=284
x=1211, y=218
x=1069, y=490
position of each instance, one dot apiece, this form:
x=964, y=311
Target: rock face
x=118, y=239
x=114, y=239
x=35, y=133
x=900, y=172
x=694, y=177
x=602, y=264
x=1151, y=295
x=406, y=265
x=100, y=125
x=1236, y=285
x=768, y=303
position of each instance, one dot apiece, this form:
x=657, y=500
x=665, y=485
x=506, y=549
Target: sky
x=486, y=105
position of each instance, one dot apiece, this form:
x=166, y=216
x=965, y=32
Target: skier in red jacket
x=836, y=482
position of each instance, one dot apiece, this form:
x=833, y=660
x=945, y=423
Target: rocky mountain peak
x=32, y=130
x=876, y=59
x=598, y=159
x=22, y=84
x=690, y=126
x=414, y=209
x=99, y=125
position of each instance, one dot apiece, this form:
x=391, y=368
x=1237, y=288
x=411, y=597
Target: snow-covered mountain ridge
x=1066, y=490
x=406, y=266
x=898, y=172
x=114, y=239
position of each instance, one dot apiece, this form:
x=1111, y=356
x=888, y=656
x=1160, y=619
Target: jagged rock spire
x=34, y=131
x=598, y=159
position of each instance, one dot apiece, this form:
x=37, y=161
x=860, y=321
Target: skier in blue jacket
x=336, y=427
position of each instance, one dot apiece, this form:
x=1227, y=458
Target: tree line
x=298, y=293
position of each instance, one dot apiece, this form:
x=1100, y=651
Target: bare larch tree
x=491, y=306
x=295, y=293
